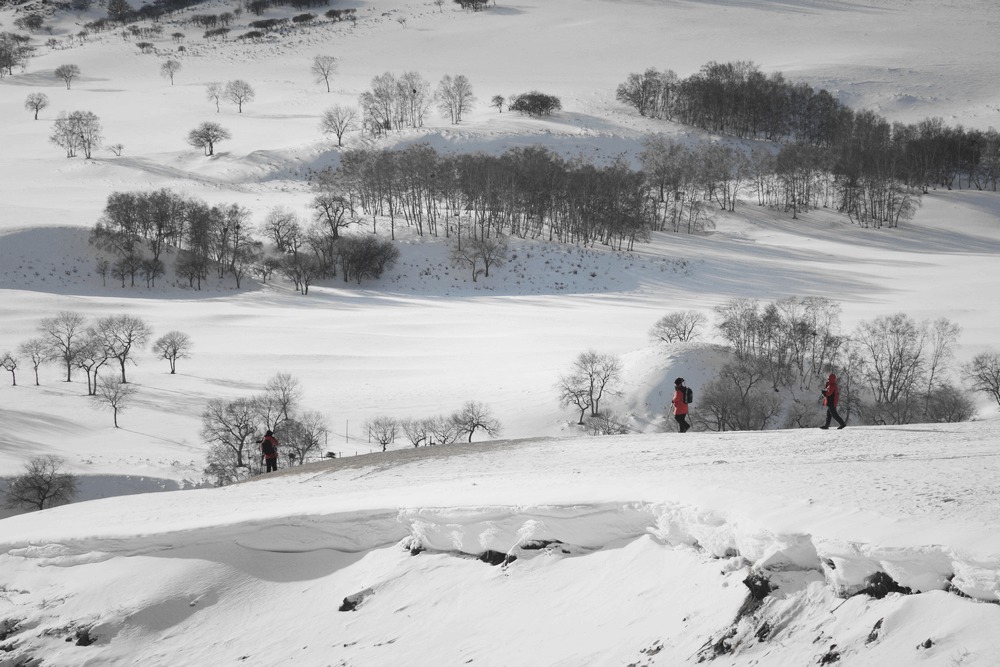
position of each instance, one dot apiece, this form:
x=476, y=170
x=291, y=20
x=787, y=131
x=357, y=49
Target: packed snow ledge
x=916, y=502
x=722, y=546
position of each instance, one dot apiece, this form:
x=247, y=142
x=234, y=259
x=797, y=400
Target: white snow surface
x=628, y=550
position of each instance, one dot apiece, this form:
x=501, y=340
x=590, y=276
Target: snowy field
x=627, y=550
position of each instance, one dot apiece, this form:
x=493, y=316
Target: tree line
x=137, y=227
x=873, y=162
x=525, y=192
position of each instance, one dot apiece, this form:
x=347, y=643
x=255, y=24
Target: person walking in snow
x=269, y=451
x=680, y=405
x=831, y=397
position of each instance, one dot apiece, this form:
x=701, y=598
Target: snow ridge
x=846, y=568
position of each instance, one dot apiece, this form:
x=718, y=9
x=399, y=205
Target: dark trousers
x=272, y=464
x=682, y=422
x=832, y=414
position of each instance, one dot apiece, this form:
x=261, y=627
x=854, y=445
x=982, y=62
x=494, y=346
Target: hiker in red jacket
x=269, y=451
x=831, y=397
x=680, y=405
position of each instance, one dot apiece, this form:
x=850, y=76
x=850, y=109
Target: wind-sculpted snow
x=683, y=574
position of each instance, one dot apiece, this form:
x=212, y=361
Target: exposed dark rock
x=496, y=557
x=352, y=602
x=83, y=637
x=927, y=643
x=881, y=584
x=873, y=635
x=8, y=627
x=537, y=545
x=830, y=656
x=763, y=632
x=759, y=585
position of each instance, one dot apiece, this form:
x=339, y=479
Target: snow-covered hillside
x=872, y=545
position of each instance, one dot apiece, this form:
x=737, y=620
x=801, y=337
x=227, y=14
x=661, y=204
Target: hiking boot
x=824, y=427
x=842, y=426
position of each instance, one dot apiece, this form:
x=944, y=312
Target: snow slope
x=629, y=550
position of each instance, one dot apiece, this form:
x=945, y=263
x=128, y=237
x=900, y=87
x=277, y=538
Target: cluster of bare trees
x=833, y=156
x=534, y=103
x=736, y=98
x=136, y=227
x=526, y=192
x=258, y=7
x=892, y=370
x=593, y=377
x=684, y=179
x=233, y=430
x=79, y=131
x=395, y=102
x=437, y=430
x=73, y=342
x=15, y=51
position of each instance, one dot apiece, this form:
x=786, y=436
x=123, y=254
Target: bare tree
x=983, y=372
x=80, y=130
x=323, y=67
x=338, y=120
x=64, y=335
x=679, y=326
x=303, y=436
x=239, y=92
x=492, y=250
x=122, y=336
x=738, y=400
x=36, y=102
x=455, y=98
x=893, y=354
x=333, y=211
x=574, y=392
x=383, y=430
x=172, y=346
x=232, y=425
x=268, y=411
x=168, y=69
x=43, y=484
x=213, y=92
x=90, y=356
x=474, y=416
x=37, y=351
x=943, y=335
x=593, y=375
x=207, y=135
x=282, y=227
x=115, y=395
x=8, y=362
x=444, y=430
x=417, y=431
x=245, y=257
x=67, y=73
x=498, y=102
x=284, y=389
x=119, y=10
